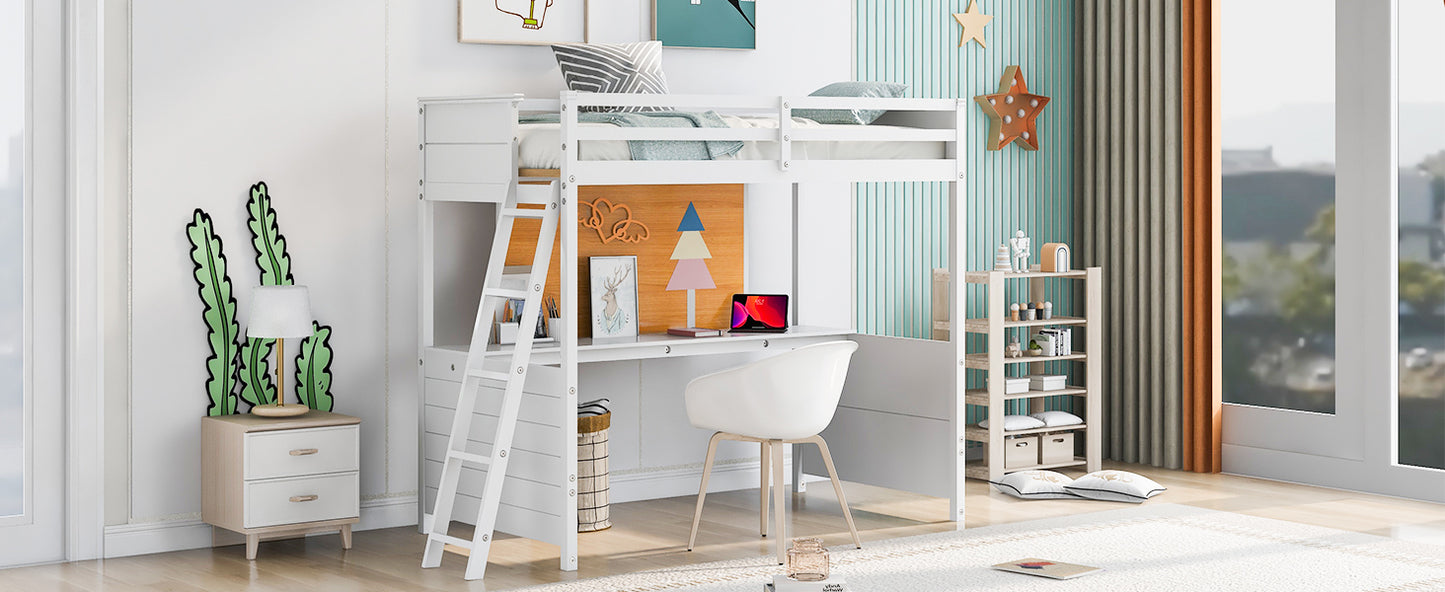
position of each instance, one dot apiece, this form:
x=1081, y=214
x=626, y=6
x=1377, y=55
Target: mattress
x=540, y=146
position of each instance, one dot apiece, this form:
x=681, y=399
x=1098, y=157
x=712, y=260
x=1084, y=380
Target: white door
x=32, y=201
x=1312, y=168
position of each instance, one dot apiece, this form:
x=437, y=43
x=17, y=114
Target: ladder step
x=451, y=540
x=517, y=270
x=490, y=375
x=508, y=293
x=475, y=459
x=525, y=213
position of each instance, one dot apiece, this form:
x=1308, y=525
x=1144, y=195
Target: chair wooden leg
x=837, y=487
x=763, y=489
x=780, y=527
x=702, y=489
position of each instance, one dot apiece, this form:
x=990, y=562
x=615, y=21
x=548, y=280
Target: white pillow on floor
x=1035, y=485
x=1115, y=486
x=1055, y=419
x=1015, y=422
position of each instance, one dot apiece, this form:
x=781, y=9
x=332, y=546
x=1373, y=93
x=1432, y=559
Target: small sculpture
x=1014, y=349
x=1020, y=244
x=1013, y=312
x=1001, y=259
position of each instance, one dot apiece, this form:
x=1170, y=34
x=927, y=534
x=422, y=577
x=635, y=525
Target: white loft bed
x=899, y=403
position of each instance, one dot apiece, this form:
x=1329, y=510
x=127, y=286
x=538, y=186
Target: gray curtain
x=1129, y=162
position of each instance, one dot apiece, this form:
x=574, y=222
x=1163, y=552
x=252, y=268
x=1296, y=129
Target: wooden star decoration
x=1012, y=112
x=973, y=23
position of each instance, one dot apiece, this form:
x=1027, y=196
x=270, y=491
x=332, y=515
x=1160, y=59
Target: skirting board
x=125, y=540
x=673, y=482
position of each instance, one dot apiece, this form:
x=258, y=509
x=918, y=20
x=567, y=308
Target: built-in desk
x=661, y=345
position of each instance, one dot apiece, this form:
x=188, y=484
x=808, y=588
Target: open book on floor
x=1049, y=569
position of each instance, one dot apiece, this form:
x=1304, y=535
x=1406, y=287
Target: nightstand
x=276, y=477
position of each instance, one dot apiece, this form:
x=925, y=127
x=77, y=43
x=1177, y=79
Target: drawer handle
x=304, y=452
x=1020, y=444
x=303, y=498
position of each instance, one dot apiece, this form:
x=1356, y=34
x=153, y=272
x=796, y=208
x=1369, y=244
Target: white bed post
x=958, y=312
x=426, y=300
x=568, y=295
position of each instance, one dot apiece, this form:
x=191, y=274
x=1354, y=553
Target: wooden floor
x=653, y=534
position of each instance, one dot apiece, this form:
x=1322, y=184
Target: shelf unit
x=997, y=327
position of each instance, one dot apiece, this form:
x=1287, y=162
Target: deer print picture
x=614, y=296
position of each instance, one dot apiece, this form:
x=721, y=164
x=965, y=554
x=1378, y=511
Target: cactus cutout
x=313, y=369
x=219, y=313
x=266, y=237
x=257, y=387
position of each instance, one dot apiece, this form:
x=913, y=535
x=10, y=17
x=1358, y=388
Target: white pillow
x=1015, y=422
x=1035, y=485
x=1115, y=486
x=1053, y=419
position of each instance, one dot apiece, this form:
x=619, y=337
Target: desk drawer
x=305, y=499
x=291, y=453
x=444, y=364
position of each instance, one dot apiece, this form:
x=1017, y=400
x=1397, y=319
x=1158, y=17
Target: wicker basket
x=593, y=511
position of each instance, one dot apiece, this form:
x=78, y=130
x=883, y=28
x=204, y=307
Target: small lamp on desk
x=278, y=312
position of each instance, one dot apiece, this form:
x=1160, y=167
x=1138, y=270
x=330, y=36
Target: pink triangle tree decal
x=691, y=253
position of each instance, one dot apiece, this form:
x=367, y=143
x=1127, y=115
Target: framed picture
x=522, y=22
x=714, y=24
x=614, y=296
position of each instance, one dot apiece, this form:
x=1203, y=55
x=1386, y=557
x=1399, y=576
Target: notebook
x=1048, y=569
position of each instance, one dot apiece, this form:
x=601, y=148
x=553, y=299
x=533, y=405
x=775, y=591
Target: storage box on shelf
x=1040, y=448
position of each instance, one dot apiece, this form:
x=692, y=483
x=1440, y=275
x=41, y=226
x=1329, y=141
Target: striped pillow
x=613, y=68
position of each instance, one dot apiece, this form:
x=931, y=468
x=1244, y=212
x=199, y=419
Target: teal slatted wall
x=902, y=231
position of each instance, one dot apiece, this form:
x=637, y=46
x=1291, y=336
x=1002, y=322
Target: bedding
x=889, y=90
x=541, y=147
x=658, y=149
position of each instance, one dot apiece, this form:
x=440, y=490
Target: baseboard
x=646, y=484
x=125, y=540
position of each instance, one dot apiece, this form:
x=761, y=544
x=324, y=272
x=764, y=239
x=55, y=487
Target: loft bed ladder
x=475, y=373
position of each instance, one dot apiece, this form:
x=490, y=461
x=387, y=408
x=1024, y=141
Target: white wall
x=319, y=100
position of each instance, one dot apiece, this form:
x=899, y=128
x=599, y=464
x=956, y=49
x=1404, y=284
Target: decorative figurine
x=1013, y=312
x=1020, y=244
x=1048, y=310
x=1030, y=313
x=1014, y=349
x=1001, y=260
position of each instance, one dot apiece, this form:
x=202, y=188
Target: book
x=1049, y=569
x=781, y=583
x=694, y=332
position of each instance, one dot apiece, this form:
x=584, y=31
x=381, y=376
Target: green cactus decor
x=313, y=369
x=249, y=364
x=219, y=313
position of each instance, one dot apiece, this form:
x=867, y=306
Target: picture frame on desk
x=613, y=296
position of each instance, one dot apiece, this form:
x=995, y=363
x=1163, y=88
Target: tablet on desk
x=760, y=313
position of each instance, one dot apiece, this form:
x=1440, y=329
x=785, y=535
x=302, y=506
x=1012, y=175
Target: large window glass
x=1278, y=140
x=12, y=256
x=1422, y=234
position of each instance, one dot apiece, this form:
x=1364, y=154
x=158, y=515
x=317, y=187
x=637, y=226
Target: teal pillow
x=890, y=90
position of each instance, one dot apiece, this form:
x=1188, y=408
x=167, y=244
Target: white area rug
x=1151, y=547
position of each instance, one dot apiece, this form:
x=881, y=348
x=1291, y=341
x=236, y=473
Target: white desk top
x=662, y=345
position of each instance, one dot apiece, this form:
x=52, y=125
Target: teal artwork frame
x=706, y=24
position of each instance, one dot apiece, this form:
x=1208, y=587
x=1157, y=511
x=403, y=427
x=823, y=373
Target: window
x=1422, y=235
x=12, y=255
x=1278, y=196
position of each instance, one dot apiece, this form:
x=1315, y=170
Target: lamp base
x=280, y=410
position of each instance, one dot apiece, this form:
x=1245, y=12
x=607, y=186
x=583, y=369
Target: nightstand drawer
x=290, y=453
x=307, y=499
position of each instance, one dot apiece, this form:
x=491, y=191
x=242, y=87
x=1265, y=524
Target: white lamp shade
x=280, y=311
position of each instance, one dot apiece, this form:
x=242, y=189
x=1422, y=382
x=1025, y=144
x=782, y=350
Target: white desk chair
x=785, y=399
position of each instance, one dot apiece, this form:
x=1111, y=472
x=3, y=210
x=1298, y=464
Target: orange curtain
x=1200, y=211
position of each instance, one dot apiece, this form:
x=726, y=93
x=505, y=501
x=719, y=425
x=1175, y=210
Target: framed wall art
x=713, y=24
x=522, y=22
x=614, y=296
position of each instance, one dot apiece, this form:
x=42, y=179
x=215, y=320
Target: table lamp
x=278, y=312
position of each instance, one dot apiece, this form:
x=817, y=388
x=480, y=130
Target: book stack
x=1056, y=342
x=781, y=583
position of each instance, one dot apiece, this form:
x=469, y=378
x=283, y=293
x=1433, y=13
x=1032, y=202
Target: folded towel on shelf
x=659, y=149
